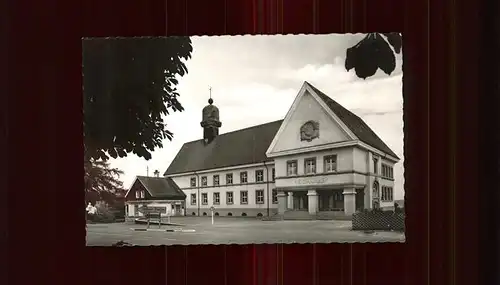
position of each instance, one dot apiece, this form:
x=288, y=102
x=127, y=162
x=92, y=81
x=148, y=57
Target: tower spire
x=210, y=100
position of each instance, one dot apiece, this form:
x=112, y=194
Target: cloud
x=255, y=79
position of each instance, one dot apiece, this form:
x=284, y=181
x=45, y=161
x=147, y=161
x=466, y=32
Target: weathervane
x=210, y=90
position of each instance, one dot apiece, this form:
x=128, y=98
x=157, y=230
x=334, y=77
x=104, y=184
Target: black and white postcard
x=243, y=139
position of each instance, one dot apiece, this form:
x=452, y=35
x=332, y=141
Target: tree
x=129, y=84
x=102, y=182
x=373, y=52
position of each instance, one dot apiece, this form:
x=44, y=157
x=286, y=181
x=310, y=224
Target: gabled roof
x=161, y=187
x=249, y=146
x=245, y=146
x=354, y=123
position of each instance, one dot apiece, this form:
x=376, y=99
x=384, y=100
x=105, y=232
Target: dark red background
x=46, y=230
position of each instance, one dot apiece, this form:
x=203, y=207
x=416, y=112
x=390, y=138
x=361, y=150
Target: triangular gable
x=132, y=186
x=309, y=108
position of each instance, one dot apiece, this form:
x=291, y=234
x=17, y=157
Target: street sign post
x=212, y=209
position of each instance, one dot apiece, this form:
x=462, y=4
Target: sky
x=254, y=80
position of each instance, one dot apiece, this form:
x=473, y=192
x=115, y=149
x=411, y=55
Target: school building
x=321, y=160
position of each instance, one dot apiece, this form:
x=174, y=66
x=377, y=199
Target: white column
x=312, y=202
x=282, y=203
x=349, y=201
x=290, y=200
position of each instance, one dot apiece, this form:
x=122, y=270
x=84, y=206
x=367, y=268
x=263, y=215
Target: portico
x=335, y=201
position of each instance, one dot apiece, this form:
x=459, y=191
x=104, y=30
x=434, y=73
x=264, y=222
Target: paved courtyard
x=234, y=230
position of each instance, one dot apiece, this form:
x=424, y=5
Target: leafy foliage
x=373, y=52
x=102, y=184
x=129, y=84
x=100, y=178
x=104, y=213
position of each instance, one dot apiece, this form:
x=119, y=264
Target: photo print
x=243, y=139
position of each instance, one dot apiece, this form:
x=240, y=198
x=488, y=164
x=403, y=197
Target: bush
x=104, y=213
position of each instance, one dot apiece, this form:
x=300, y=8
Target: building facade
x=246, y=190
x=158, y=193
x=321, y=160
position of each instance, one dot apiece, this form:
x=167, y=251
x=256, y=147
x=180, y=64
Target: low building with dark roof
x=321, y=160
x=154, y=193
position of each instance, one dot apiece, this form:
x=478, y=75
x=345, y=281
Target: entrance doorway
x=330, y=200
x=300, y=202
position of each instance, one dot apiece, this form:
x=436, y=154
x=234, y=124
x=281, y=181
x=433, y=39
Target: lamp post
x=212, y=209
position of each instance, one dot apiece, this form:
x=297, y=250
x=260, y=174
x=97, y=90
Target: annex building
x=321, y=160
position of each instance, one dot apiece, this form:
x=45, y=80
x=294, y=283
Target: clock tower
x=210, y=121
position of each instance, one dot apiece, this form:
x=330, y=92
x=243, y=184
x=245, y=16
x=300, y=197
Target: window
x=330, y=163
x=193, y=199
x=203, y=181
x=244, y=197
x=204, y=198
x=243, y=177
x=273, y=174
x=291, y=167
x=375, y=165
x=387, y=171
x=216, y=198
x=275, y=196
x=216, y=180
x=229, y=198
x=310, y=165
x=137, y=194
x=143, y=194
x=259, y=196
x=259, y=175
x=387, y=194
x=229, y=178
x=193, y=181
